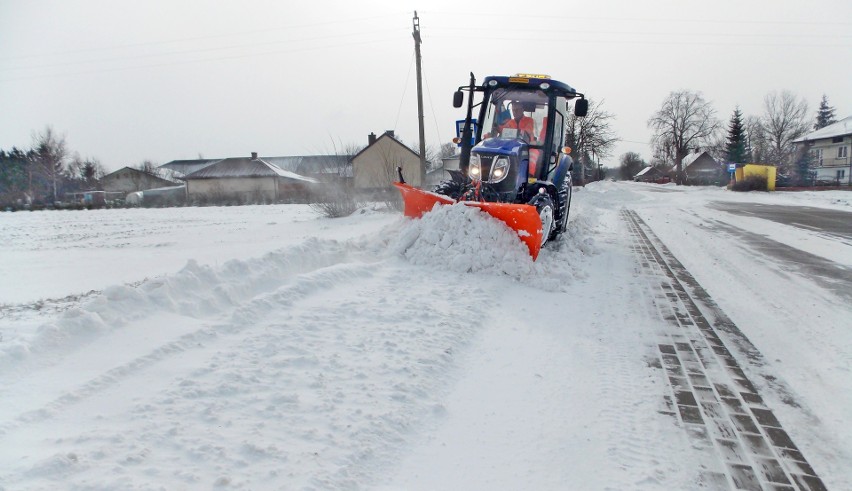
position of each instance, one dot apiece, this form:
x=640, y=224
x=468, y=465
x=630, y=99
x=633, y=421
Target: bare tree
x=149, y=167
x=631, y=164
x=684, y=121
x=785, y=119
x=49, y=155
x=756, y=140
x=335, y=197
x=590, y=137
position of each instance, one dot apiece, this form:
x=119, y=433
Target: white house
x=829, y=148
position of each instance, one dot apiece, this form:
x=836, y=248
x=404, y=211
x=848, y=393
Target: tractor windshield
x=516, y=114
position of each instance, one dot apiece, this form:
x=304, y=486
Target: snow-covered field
x=269, y=348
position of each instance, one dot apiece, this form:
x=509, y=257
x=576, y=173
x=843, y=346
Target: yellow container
x=767, y=171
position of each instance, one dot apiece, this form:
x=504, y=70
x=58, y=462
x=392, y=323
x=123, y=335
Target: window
x=816, y=154
x=837, y=139
x=842, y=152
x=841, y=174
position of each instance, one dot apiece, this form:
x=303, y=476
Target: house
x=702, y=169
x=247, y=180
x=829, y=148
x=651, y=174
x=374, y=167
x=127, y=180
x=325, y=168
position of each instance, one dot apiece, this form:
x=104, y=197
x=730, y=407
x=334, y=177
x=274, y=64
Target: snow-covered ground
x=269, y=348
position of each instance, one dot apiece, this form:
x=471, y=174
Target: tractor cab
x=520, y=131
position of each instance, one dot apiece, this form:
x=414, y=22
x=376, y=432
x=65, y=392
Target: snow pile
x=199, y=291
x=464, y=239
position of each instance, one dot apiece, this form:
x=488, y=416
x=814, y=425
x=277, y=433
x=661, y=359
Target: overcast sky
x=128, y=81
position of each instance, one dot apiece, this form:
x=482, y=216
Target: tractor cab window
x=516, y=114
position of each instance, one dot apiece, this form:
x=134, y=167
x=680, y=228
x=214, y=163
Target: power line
x=574, y=19
x=191, y=51
x=404, y=90
x=200, y=60
x=347, y=21
x=540, y=40
x=431, y=105
x=647, y=33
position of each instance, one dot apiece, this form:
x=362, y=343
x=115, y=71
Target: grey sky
x=161, y=80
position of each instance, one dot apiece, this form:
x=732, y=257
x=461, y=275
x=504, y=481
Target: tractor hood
x=500, y=146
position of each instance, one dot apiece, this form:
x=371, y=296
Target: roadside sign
x=732, y=167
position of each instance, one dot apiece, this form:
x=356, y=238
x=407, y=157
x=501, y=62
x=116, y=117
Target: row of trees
x=686, y=121
x=591, y=139
x=46, y=172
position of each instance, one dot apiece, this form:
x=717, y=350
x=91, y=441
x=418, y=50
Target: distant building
x=702, y=169
x=829, y=148
x=127, y=180
x=325, y=168
x=374, y=167
x=247, y=180
x=651, y=174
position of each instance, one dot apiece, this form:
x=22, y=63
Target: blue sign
x=460, y=130
x=732, y=167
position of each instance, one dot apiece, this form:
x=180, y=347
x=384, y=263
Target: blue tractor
x=514, y=162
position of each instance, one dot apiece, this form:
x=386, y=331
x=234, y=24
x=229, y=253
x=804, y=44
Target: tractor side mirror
x=458, y=99
x=581, y=107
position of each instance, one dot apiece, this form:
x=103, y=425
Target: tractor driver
x=524, y=124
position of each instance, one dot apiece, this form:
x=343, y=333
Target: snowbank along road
x=659, y=345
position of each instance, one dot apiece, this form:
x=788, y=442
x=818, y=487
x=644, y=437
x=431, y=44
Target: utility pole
x=417, y=42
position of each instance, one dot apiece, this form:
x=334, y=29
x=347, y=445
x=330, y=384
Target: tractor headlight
x=475, y=167
x=499, y=169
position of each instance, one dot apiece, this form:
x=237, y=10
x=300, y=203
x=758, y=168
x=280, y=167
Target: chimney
x=254, y=155
x=371, y=138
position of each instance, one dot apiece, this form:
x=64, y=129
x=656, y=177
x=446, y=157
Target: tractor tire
x=451, y=189
x=546, y=213
x=565, y=194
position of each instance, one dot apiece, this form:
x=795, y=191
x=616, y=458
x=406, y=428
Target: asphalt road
x=833, y=222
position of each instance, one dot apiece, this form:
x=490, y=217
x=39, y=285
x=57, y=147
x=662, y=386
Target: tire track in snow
x=302, y=287
x=715, y=402
x=325, y=412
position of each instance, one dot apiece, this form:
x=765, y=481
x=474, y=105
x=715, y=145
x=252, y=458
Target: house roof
x=314, y=164
x=301, y=165
x=245, y=167
x=691, y=158
x=643, y=171
x=186, y=167
x=386, y=135
x=840, y=128
x=137, y=171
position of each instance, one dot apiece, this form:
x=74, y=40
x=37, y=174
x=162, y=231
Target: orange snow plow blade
x=523, y=219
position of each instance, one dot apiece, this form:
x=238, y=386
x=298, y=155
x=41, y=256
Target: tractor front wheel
x=544, y=205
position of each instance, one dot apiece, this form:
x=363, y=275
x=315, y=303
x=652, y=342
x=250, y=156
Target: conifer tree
x=736, y=149
x=825, y=114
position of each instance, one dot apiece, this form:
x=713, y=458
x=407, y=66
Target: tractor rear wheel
x=564, y=208
x=544, y=205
